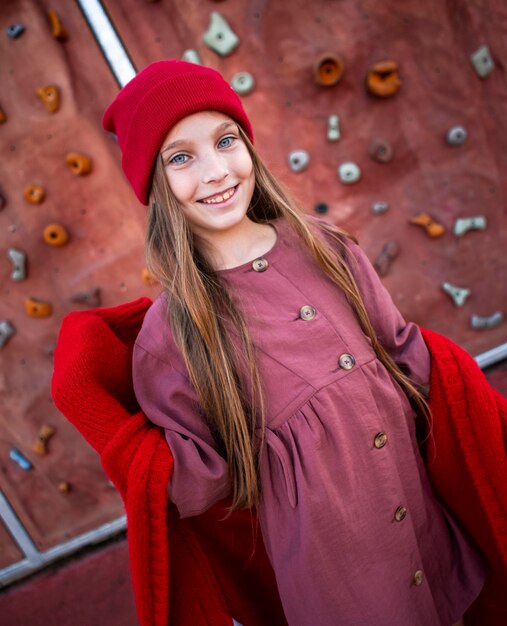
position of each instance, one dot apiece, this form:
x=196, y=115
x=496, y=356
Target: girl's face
x=210, y=172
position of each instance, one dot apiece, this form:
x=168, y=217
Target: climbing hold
x=299, y=160
x=349, y=173
x=148, y=278
x=64, y=487
x=37, y=308
x=383, y=262
x=7, y=331
x=58, y=31
x=243, y=83
x=18, y=457
x=464, y=224
x=432, y=228
x=328, y=69
x=3, y=117
x=382, y=79
x=18, y=259
x=379, y=207
x=321, y=208
x=458, y=294
x=50, y=96
x=2, y=201
x=482, y=61
x=333, y=128
x=219, y=36
x=80, y=164
x=478, y=322
x=34, y=193
x=380, y=150
x=91, y=298
x=40, y=444
x=192, y=56
x=55, y=235
x=456, y=135
x=15, y=30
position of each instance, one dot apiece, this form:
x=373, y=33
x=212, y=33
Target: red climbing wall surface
x=280, y=44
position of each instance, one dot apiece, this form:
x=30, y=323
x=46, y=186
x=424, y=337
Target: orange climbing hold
x=37, y=308
x=80, y=164
x=58, y=30
x=382, y=79
x=50, y=96
x=55, y=235
x=328, y=70
x=40, y=444
x=432, y=228
x=34, y=193
x=148, y=277
x=3, y=117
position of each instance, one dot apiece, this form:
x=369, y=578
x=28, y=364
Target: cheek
x=180, y=185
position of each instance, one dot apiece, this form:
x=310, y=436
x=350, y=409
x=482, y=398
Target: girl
x=281, y=370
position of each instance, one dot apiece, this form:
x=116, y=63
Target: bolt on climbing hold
x=383, y=262
x=220, y=36
x=38, y=308
x=55, y=235
x=34, y=193
x=3, y=116
x=491, y=321
x=333, y=128
x=328, y=69
x=15, y=30
x=321, y=208
x=299, y=160
x=7, y=331
x=58, y=31
x=382, y=79
x=192, y=56
x=243, y=83
x=3, y=201
x=349, y=173
x=64, y=487
x=381, y=150
x=80, y=164
x=456, y=135
x=148, y=278
x=379, y=207
x=91, y=298
x=464, y=224
x=432, y=228
x=458, y=294
x=50, y=96
x=40, y=445
x=482, y=61
x=18, y=457
x=18, y=260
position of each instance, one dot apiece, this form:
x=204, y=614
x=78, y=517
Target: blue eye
x=178, y=159
x=226, y=142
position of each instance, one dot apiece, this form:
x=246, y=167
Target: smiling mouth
x=220, y=197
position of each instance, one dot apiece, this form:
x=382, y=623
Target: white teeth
x=222, y=198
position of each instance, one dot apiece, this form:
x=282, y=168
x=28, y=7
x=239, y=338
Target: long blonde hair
x=202, y=316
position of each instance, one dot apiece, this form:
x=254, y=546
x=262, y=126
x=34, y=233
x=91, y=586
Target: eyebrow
x=221, y=127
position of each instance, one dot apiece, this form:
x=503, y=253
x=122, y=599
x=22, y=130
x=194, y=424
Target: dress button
x=260, y=265
x=380, y=440
x=346, y=361
x=307, y=312
x=400, y=514
x=418, y=578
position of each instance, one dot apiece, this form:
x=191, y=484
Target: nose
x=214, y=168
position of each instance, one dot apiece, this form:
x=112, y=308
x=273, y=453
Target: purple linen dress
x=351, y=526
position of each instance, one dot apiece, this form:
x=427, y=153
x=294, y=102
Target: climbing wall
x=388, y=118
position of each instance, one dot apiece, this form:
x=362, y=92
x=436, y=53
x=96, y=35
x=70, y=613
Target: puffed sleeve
x=403, y=340
x=200, y=475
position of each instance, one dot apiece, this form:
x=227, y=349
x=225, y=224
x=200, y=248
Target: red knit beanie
x=162, y=94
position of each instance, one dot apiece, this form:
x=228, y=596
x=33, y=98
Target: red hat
x=162, y=94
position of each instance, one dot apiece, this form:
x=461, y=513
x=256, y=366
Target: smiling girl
x=280, y=370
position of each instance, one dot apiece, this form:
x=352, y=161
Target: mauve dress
x=352, y=529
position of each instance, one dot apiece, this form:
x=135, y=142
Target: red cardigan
x=211, y=565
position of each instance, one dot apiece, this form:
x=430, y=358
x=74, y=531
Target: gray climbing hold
x=243, y=83
x=219, y=36
x=379, y=207
x=18, y=457
x=18, y=260
x=458, y=294
x=333, y=128
x=299, y=160
x=7, y=330
x=456, y=135
x=91, y=298
x=464, y=224
x=482, y=61
x=491, y=321
x=192, y=56
x=349, y=173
